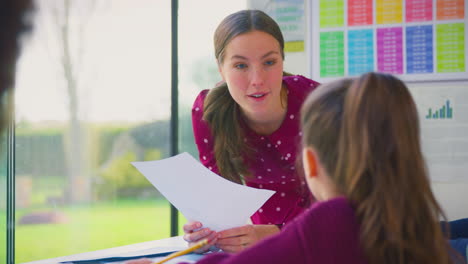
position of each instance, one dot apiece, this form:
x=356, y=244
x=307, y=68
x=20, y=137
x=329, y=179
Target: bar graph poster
x=417, y=40
x=443, y=114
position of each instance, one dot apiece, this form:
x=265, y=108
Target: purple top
x=328, y=232
x=274, y=164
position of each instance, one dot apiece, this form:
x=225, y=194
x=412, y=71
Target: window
x=92, y=95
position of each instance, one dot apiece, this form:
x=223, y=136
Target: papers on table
x=155, y=250
x=202, y=195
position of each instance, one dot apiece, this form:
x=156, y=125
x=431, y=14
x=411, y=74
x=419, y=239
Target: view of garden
x=93, y=93
x=120, y=207
x=144, y=220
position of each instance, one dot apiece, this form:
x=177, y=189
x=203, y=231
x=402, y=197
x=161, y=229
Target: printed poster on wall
x=289, y=14
x=421, y=42
x=443, y=115
x=417, y=40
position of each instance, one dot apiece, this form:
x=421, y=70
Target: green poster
x=332, y=54
x=331, y=13
x=450, y=47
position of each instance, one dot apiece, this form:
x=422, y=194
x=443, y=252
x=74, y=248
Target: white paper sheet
x=201, y=195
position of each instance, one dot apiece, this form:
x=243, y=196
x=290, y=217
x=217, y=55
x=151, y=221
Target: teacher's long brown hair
x=368, y=139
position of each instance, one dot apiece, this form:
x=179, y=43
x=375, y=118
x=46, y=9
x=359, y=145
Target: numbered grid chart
x=414, y=39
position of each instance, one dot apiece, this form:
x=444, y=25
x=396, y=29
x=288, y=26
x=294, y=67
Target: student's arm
x=285, y=247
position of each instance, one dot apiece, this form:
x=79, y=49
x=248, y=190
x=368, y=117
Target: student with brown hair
x=247, y=128
x=363, y=163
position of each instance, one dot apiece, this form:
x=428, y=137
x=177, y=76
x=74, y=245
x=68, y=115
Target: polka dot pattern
x=272, y=164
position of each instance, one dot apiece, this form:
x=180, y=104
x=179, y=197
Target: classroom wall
x=450, y=185
x=445, y=143
x=453, y=197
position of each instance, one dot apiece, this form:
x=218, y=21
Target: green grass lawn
x=93, y=227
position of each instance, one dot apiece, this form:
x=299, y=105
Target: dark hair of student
x=13, y=22
x=220, y=110
x=368, y=139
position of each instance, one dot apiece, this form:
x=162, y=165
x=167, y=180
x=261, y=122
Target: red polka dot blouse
x=273, y=165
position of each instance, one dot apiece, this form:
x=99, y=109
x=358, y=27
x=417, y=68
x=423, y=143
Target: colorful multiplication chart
x=417, y=40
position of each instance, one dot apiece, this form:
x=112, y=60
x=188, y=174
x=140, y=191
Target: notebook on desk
x=116, y=259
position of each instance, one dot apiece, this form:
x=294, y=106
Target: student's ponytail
x=382, y=171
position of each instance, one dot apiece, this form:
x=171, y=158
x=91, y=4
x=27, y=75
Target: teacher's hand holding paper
x=210, y=203
x=230, y=240
x=194, y=232
x=239, y=238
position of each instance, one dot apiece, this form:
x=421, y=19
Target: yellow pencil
x=198, y=245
